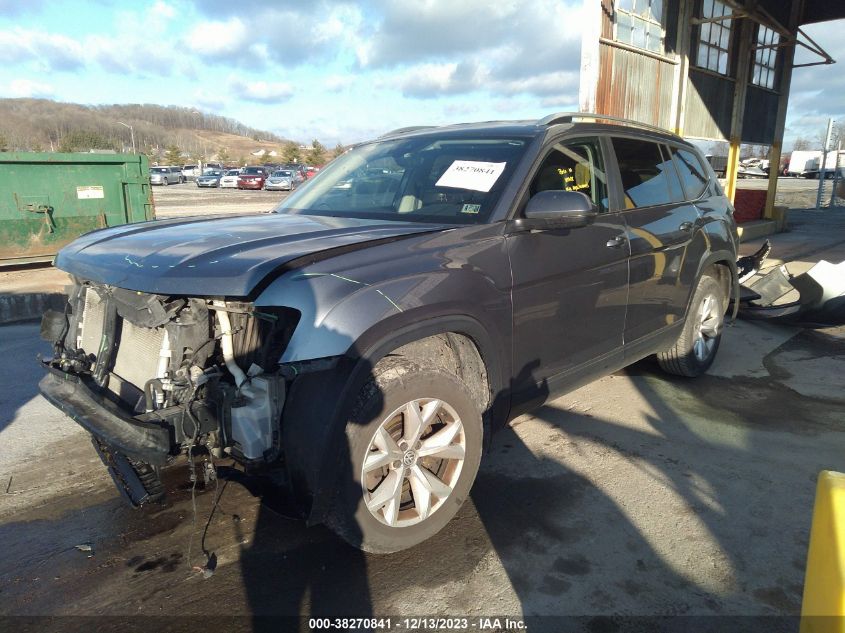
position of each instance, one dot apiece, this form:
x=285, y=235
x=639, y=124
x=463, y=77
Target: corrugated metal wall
x=709, y=104
x=635, y=86
x=761, y=108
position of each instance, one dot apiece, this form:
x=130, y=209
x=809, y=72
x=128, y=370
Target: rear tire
x=406, y=476
x=696, y=347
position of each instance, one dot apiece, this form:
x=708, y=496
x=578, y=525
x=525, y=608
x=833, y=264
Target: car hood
x=216, y=257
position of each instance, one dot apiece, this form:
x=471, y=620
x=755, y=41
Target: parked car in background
x=210, y=178
x=281, y=180
x=165, y=175
x=229, y=180
x=190, y=172
x=252, y=178
x=365, y=340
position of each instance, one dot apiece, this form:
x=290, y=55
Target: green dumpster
x=47, y=200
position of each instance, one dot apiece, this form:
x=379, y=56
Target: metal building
x=705, y=69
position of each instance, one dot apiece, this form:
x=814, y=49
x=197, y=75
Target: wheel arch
x=316, y=413
x=723, y=264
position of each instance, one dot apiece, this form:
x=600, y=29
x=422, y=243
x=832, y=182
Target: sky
x=333, y=70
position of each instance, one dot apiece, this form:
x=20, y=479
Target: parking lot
x=637, y=495
x=188, y=199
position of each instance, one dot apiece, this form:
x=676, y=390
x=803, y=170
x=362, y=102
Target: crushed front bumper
x=136, y=438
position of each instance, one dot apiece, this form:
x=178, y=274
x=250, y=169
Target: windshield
x=425, y=179
x=252, y=171
x=281, y=174
x=157, y=170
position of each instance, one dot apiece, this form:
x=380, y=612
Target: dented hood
x=216, y=257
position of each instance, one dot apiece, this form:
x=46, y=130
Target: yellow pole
x=823, y=606
x=731, y=169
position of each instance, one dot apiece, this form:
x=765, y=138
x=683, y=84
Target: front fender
x=342, y=298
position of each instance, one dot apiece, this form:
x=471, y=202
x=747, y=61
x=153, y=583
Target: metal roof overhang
x=822, y=11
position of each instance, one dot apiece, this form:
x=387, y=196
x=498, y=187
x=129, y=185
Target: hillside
x=45, y=125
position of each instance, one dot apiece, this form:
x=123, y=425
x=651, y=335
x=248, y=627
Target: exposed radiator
x=138, y=353
x=91, y=325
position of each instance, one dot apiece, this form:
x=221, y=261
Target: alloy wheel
x=413, y=462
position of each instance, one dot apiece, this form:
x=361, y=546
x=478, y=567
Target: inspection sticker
x=471, y=208
x=470, y=174
x=89, y=193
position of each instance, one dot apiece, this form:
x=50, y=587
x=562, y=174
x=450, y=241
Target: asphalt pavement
x=637, y=495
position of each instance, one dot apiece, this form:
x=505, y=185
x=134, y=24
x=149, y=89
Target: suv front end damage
x=152, y=376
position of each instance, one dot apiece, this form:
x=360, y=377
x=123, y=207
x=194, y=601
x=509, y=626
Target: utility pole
x=836, y=176
x=131, y=134
x=822, y=164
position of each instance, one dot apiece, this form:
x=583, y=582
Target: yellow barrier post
x=823, y=606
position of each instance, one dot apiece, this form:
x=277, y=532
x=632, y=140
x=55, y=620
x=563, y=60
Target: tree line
x=45, y=125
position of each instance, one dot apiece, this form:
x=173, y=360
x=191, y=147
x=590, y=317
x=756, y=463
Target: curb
x=29, y=306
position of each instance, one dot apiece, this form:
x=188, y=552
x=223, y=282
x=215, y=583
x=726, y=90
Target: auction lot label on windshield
x=470, y=174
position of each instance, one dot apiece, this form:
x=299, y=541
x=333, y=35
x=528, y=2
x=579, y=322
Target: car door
x=660, y=226
x=569, y=285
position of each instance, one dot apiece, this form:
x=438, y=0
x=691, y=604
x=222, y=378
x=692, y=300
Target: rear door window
x=692, y=173
x=648, y=178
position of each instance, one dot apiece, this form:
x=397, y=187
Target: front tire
x=696, y=347
x=415, y=441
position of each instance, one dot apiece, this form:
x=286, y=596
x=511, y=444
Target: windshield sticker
x=470, y=174
x=471, y=208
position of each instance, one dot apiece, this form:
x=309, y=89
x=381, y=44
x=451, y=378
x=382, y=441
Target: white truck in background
x=801, y=160
x=830, y=165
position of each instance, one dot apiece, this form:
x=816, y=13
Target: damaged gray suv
x=364, y=340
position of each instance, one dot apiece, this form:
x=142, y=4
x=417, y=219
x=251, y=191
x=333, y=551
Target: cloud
x=429, y=81
x=205, y=100
x=11, y=8
x=218, y=39
x=29, y=88
x=260, y=91
x=52, y=50
x=129, y=50
x=514, y=38
x=290, y=35
x=817, y=93
x=162, y=10
x=338, y=83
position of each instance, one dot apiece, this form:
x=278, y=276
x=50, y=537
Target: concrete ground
x=637, y=495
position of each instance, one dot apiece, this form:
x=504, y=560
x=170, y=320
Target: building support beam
x=746, y=33
x=681, y=75
x=776, y=149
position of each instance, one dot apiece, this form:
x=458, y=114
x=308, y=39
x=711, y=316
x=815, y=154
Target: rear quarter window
x=648, y=177
x=692, y=172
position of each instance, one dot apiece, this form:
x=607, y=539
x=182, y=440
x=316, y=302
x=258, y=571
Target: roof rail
x=571, y=117
x=403, y=130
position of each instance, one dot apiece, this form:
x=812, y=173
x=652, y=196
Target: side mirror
x=558, y=209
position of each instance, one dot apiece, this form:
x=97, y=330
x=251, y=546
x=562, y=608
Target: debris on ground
x=820, y=300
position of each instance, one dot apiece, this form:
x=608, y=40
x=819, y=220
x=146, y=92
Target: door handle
x=685, y=226
x=616, y=242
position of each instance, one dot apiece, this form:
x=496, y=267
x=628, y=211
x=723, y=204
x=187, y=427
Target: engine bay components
x=172, y=374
